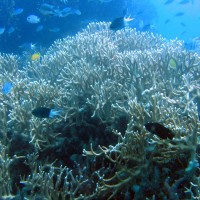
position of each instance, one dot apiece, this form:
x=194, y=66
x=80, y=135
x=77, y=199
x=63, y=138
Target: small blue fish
x=11, y=30
x=64, y=12
x=39, y=28
x=2, y=30
x=54, y=29
x=75, y=11
x=67, y=11
x=47, y=9
x=7, y=87
x=17, y=11
x=33, y=19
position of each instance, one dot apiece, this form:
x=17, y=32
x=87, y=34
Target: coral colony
x=127, y=127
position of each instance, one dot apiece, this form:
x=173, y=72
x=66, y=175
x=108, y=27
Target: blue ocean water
x=59, y=18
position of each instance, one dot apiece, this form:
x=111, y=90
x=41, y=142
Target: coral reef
x=108, y=85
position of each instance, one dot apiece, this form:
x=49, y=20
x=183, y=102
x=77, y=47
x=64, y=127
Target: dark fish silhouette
x=183, y=33
x=167, y=21
x=42, y=112
x=159, y=130
x=184, y=2
x=117, y=24
x=168, y=2
x=179, y=14
x=183, y=24
x=120, y=22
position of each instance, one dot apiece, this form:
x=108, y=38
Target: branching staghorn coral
x=9, y=67
x=57, y=182
x=138, y=154
x=5, y=179
x=118, y=73
x=98, y=77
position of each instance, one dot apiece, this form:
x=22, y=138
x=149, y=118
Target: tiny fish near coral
x=35, y=56
x=43, y=112
x=7, y=87
x=172, y=63
x=120, y=22
x=159, y=130
x=117, y=24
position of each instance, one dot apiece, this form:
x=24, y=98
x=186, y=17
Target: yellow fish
x=35, y=56
x=172, y=63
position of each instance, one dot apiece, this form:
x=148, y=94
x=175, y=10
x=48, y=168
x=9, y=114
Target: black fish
x=159, y=130
x=42, y=112
x=117, y=24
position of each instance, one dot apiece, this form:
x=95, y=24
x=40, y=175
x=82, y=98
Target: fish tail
x=55, y=113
